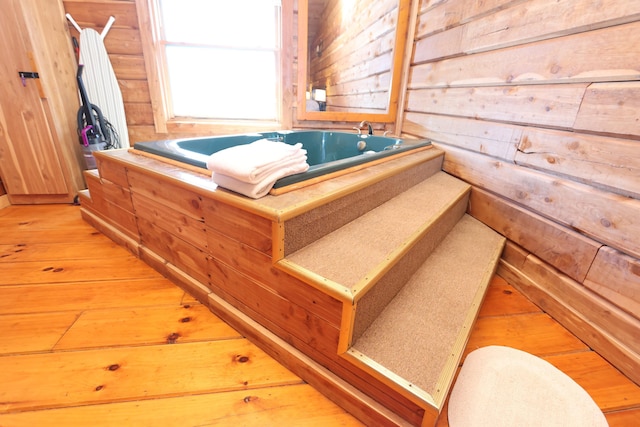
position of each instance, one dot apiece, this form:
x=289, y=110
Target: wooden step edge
x=329, y=287
x=363, y=286
x=350, y=398
x=454, y=360
x=402, y=386
x=369, y=273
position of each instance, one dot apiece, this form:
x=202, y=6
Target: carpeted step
x=418, y=339
x=361, y=252
x=313, y=224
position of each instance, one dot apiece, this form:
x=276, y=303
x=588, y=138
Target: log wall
x=536, y=104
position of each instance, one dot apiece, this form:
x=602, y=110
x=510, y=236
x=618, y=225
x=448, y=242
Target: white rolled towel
x=259, y=189
x=252, y=163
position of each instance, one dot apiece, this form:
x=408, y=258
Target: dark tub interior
x=327, y=151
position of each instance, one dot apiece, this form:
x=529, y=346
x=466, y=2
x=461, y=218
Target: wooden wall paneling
x=139, y=114
x=440, y=15
x=239, y=224
x=302, y=323
x=612, y=164
x=112, y=203
x=566, y=250
x=95, y=13
x=612, y=108
x=135, y=91
x=543, y=19
x=186, y=227
x=128, y=67
x=616, y=277
x=605, y=217
x=172, y=196
x=186, y=257
x=490, y=138
x=257, y=266
x=604, y=55
x=608, y=330
x=524, y=22
x=107, y=190
x=546, y=105
x=113, y=172
x=192, y=286
x=514, y=255
x=440, y=45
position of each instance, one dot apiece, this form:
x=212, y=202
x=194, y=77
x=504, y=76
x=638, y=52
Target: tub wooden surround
x=366, y=285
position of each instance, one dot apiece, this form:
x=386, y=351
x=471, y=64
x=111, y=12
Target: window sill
x=219, y=127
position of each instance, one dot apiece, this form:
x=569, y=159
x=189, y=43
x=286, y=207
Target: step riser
x=369, y=306
x=310, y=226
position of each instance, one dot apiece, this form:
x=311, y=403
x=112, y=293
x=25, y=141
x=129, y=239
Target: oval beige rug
x=501, y=386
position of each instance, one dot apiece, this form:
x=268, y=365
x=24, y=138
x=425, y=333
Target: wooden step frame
x=236, y=278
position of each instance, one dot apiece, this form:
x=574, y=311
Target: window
x=215, y=60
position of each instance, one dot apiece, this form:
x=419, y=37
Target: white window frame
x=157, y=77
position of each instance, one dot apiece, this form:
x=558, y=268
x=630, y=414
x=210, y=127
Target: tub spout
x=362, y=124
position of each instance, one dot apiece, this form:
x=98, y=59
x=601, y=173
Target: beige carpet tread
x=416, y=335
x=367, y=241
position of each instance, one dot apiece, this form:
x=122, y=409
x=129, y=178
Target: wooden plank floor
x=93, y=336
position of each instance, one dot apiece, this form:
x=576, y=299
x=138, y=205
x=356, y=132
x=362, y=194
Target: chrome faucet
x=363, y=123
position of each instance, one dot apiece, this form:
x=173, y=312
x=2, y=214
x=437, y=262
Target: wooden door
x=29, y=161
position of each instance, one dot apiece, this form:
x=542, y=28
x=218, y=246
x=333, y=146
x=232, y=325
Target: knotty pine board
x=616, y=277
x=299, y=321
x=561, y=247
x=115, y=193
x=128, y=373
x=609, y=163
x=239, y=224
x=66, y=270
x=24, y=333
x=547, y=105
x=171, y=324
x=294, y=405
x=174, y=197
x=526, y=22
x=493, y=139
x=183, y=255
x=38, y=251
x=90, y=295
x=603, y=216
x=596, y=56
x=189, y=229
x=611, y=108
